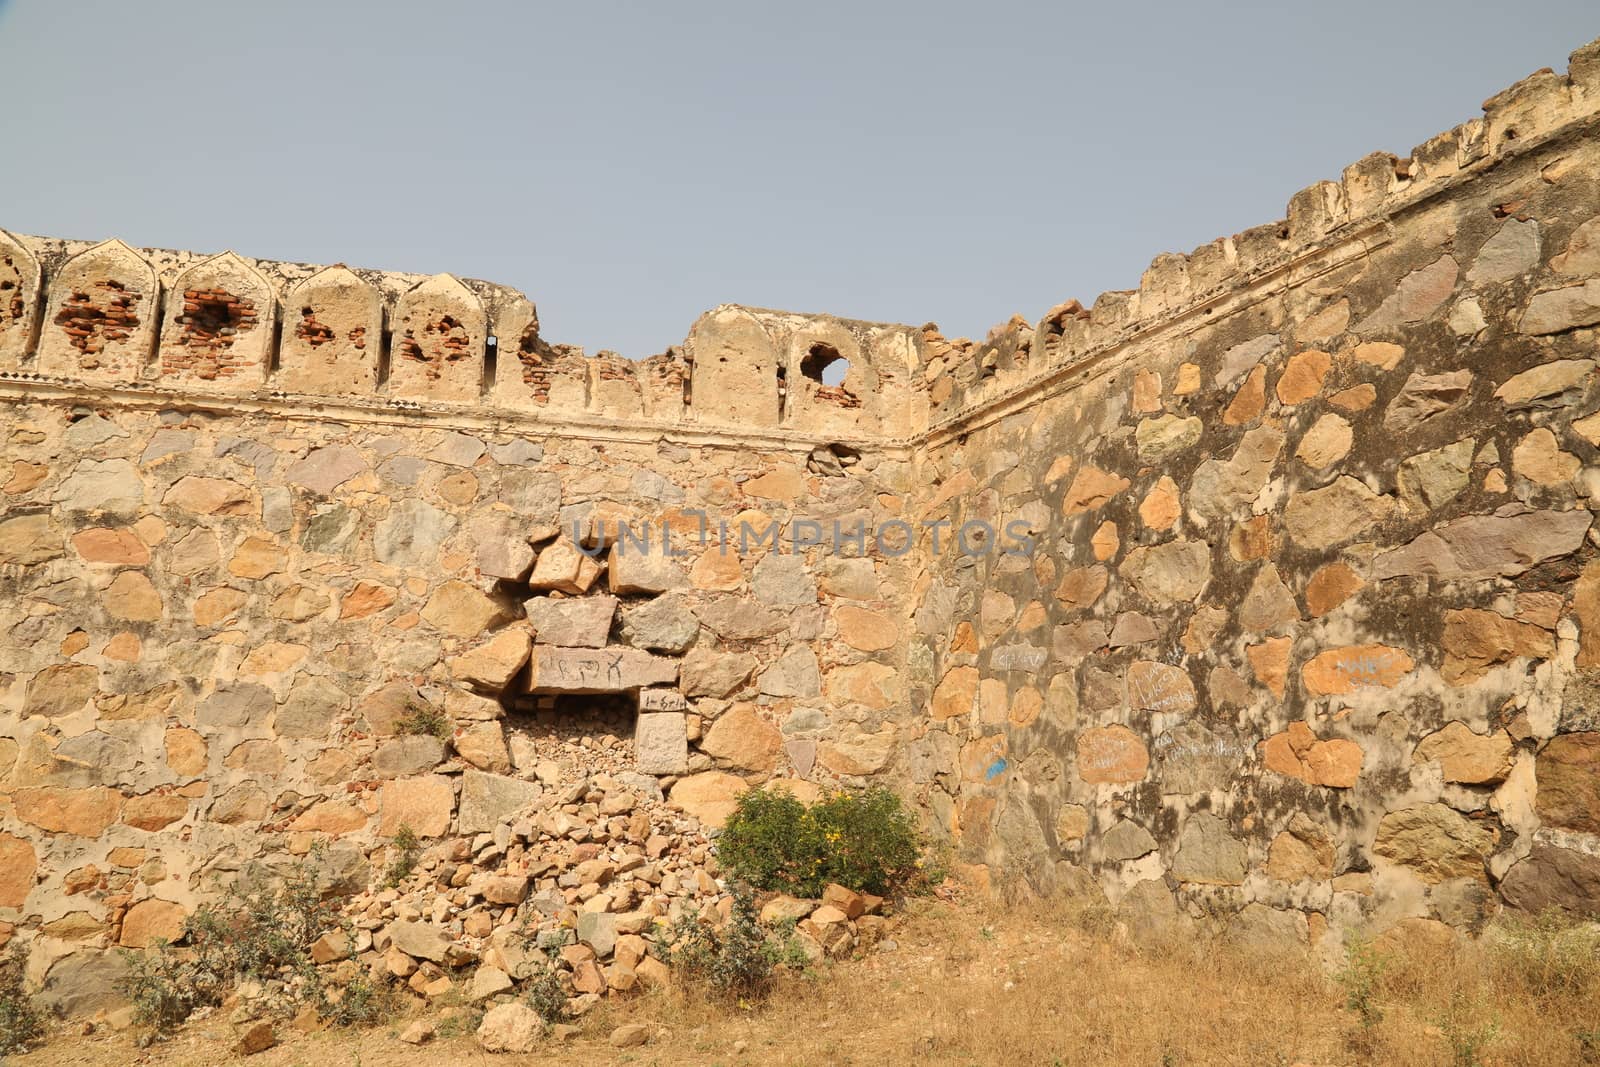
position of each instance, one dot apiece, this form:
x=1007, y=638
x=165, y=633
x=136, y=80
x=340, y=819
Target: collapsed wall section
x=1305, y=642
x=230, y=638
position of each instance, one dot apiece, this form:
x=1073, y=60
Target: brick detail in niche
x=93, y=319
x=452, y=344
x=211, y=321
x=11, y=303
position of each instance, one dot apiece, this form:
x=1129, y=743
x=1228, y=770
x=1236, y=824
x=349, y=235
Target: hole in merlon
x=824, y=365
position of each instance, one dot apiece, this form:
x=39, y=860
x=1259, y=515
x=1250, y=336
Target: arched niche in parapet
x=218, y=326
x=663, y=380
x=614, y=387
x=100, y=322
x=735, y=374
x=436, y=352
x=530, y=374
x=332, y=335
x=830, y=384
x=19, y=301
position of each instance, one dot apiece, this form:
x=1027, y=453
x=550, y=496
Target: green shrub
x=259, y=930
x=406, y=849
x=20, y=1022
x=361, y=1002
x=275, y=925
x=547, y=996
x=1466, y=1032
x=863, y=841
x=1361, y=978
x=738, y=962
x=166, y=985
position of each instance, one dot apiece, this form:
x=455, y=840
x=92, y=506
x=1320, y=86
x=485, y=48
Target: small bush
x=20, y=1022
x=738, y=962
x=258, y=931
x=863, y=841
x=1466, y=1032
x=1588, y=1044
x=424, y=719
x=406, y=849
x=362, y=1002
x=166, y=987
x=1361, y=978
x=274, y=926
x=547, y=996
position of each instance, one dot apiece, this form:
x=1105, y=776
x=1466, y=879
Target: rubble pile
x=584, y=884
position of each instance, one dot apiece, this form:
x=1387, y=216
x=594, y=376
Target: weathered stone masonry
x=1305, y=643
x=1308, y=640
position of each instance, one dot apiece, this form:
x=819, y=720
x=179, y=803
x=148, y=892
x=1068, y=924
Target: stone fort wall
x=1308, y=642
x=1303, y=642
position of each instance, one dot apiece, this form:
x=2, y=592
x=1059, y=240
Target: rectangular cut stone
x=575, y=622
x=597, y=670
x=646, y=567
x=487, y=800
x=661, y=743
x=662, y=700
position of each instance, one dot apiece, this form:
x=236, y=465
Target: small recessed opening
x=545, y=728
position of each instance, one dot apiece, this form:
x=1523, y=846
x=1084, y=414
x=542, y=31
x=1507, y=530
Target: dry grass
x=1047, y=984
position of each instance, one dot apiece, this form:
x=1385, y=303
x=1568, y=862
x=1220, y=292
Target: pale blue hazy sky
x=629, y=165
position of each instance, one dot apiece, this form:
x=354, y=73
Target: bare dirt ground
x=1032, y=984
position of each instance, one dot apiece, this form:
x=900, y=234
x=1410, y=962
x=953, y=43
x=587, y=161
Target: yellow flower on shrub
x=864, y=841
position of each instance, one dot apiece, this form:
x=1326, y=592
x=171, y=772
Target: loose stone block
x=573, y=622
x=487, y=800
x=647, y=568
x=661, y=743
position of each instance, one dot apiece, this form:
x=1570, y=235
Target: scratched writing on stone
x=1173, y=749
x=588, y=671
x=1159, y=692
x=661, y=700
x=1101, y=755
x=1365, y=670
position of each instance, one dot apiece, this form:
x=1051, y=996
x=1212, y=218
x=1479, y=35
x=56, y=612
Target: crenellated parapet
x=105, y=314
x=108, y=315
x=1323, y=222
x=833, y=374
